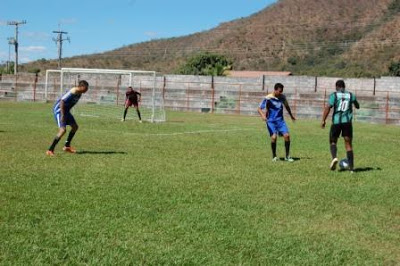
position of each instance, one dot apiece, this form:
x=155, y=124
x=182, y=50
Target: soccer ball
x=344, y=164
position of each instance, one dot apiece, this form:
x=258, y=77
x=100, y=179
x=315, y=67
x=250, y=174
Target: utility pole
x=11, y=41
x=59, y=40
x=16, y=24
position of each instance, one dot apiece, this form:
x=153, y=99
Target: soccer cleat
x=275, y=159
x=140, y=121
x=122, y=120
x=69, y=149
x=289, y=159
x=333, y=164
x=49, y=153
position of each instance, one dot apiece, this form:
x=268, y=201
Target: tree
x=394, y=69
x=34, y=70
x=205, y=64
x=7, y=69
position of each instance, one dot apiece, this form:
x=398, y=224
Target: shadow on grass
x=363, y=169
x=294, y=158
x=101, y=152
x=366, y=169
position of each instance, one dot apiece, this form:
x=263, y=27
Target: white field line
x=207, y=131
x=177, y=133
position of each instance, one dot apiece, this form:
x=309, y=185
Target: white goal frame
x=130, y=73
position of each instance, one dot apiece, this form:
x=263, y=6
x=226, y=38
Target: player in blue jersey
x=342, y=102
x=64, y=117
x=273, y=105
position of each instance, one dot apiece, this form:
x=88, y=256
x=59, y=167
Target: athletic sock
x=53, y=145
x=287, y=148
x=350, y=158
x=125, y=111
x=70, y=136
x=273, y=147
x=334, y=151
x=138, y=113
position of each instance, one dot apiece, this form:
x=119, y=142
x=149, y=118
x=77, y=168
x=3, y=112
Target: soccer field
x=198, y=189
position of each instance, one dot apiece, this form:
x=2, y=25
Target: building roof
x=256, y=74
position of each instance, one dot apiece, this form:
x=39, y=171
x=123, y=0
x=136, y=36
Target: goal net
x=106, y=95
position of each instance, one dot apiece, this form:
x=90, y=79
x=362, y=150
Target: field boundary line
x=179, y=133
x=197, y=132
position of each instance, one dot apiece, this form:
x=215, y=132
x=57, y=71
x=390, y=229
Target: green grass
x=199, y=189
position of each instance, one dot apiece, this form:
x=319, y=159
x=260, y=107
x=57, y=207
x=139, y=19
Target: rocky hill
x=349, y=38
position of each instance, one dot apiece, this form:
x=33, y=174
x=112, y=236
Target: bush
x=205, y=64
x=394, y=69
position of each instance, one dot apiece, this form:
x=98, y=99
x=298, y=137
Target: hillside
x=307, y=37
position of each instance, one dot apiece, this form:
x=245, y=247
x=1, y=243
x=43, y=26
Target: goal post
x=106, y=94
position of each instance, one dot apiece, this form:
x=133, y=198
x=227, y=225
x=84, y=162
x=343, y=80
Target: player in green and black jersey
x=342, y=102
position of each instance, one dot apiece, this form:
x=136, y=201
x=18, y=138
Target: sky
x=104, y=25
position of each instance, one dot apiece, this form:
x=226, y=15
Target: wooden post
x=240, y=98
x=16, y=86
x=295, y=102
x=316, y=84
x=374, y=85
x=387, y=109
x=117, y=89
x=212, y=94
x=164, y=86
x=187, y=97
x=34, y=87
x=263, y=83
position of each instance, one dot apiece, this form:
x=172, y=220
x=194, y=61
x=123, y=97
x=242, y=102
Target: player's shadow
x=101, y=152
x=363, y=169
x=294, y=158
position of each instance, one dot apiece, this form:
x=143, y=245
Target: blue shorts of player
x=277, y=127
x=68, y=119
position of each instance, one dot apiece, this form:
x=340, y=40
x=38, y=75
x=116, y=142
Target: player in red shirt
x=132, y=98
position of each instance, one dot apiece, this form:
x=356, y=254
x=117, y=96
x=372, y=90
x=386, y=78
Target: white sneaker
x=275, y=159
x=333, y=164
x=140, y=121
x=289, y=159
x=122, y=120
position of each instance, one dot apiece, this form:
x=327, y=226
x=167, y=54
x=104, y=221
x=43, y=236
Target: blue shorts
x=69, y=119
x=277, y=127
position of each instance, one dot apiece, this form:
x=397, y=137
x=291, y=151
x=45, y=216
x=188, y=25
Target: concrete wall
x=379, y=98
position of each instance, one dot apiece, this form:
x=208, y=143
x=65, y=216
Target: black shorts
x=130, y=102
x=346, y=129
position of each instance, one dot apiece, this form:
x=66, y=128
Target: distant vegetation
x=4, y=69
x=352, y=38
x=205, y=64
x=394, y=69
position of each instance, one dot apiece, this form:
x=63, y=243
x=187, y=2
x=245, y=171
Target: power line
x=59, y=40
x=11, y=41
x=15, y=42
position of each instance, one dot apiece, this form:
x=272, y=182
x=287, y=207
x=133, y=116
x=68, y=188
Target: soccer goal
x=106, y=95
